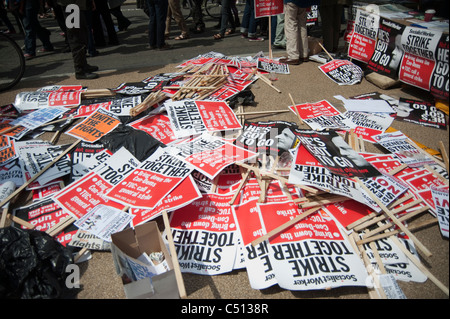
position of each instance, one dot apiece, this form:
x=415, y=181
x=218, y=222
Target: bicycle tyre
x=213, y=8
x=12, y=63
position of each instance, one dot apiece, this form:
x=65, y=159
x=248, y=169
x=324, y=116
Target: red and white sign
x=157, y=126
x=364, y=37
x=267, y=8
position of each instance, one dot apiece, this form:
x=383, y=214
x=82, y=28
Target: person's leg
x=303, y=32
x=161, y=7
x=291, y=31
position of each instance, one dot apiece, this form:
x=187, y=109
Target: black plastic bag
x=32, y=265
x=137, y=142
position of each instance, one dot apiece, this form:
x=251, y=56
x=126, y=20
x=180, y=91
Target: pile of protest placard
x=302, y=209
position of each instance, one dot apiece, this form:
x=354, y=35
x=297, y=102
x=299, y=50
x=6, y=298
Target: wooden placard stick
x=395, y=220
x=375, y=253
x=362, y=146
x=419, y=265
x=330, y=200
x=386, y=233
x=398, y=169
x=173, y=253
x=31, y=180
x=295, y=109
x=288, y=224
x=444, y=155
x=267, y=81
x=20, y=221
x=80, y=254
x=243, y=182
x=384, y=227
x=60, y=226
x=323, y=48
x=3, y=217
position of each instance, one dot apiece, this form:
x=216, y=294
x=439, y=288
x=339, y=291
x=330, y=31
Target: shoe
x=165, y=47
x=90, y=68
x=43, y=50
x=304, y=60
x=125, y=27
x=290, y=61
x=28, y=56
x=86, y=76
x=151, y=47
x=256, y=39
x=182, y=37
x=244, y=35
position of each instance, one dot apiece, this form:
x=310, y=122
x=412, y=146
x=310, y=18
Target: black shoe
x=86, y=76
x=165, y=47
x=90, y=68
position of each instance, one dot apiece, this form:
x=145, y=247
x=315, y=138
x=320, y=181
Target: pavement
x=130, y=61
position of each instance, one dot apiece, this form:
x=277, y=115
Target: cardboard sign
x=439, y=84
x=312, y=254
x=39, y=117
x=422, y=113
x=209, y=154
x=146, y=185
x=98, y=124
x=396, y=143
x=81, y=196
x=195, y=117
x=388, y=50
x=270, y=65
x=342, y=72
x=369, y=124
x=335, y=154
x=419, y=60
x=322, y=115
x=182, y=195
x=257, y=262
x=45, y=214
x=364, y=37
x=267, y=8
x=103, y=221
x=26, y=101
x=157, y=125
x=306, y=170
x=441, y=201
x=204, y=234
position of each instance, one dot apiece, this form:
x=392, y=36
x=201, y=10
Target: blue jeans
x=157, y=10
x=226, y=17
x=33, y=28
x=249, y=23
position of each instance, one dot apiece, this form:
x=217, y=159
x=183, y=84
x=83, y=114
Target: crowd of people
x=93, y=25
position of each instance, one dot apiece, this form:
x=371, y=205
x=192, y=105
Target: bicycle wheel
x=12, y=63
x=213, y=8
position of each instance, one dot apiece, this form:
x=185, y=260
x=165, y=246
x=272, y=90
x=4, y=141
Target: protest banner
x=347, y=212
x=439, y=86
x=397, y=144
x=342, y=72
x=364, y=36
x=157, y=125
x=322, y=115
x=420, y=112
x=441, y=201
x=195, y=117
x=335, y=154
x=81, y=196
x=26, y=101
x=182, y=195
x=419, y=62
x=8, y=153
x=257, y=262
x=124, y=106
x=146, y=185
x=312, y=254
x=98, y=124
x=388, y=50
x=204, y=235
x=209, y=154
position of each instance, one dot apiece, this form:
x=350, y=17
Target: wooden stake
x=395, y=219
x=173, y=252
x=295, y=109
x=323, y=48
x=444, y=155
x=31, y=180
x=419, y=265
x=267, y=81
